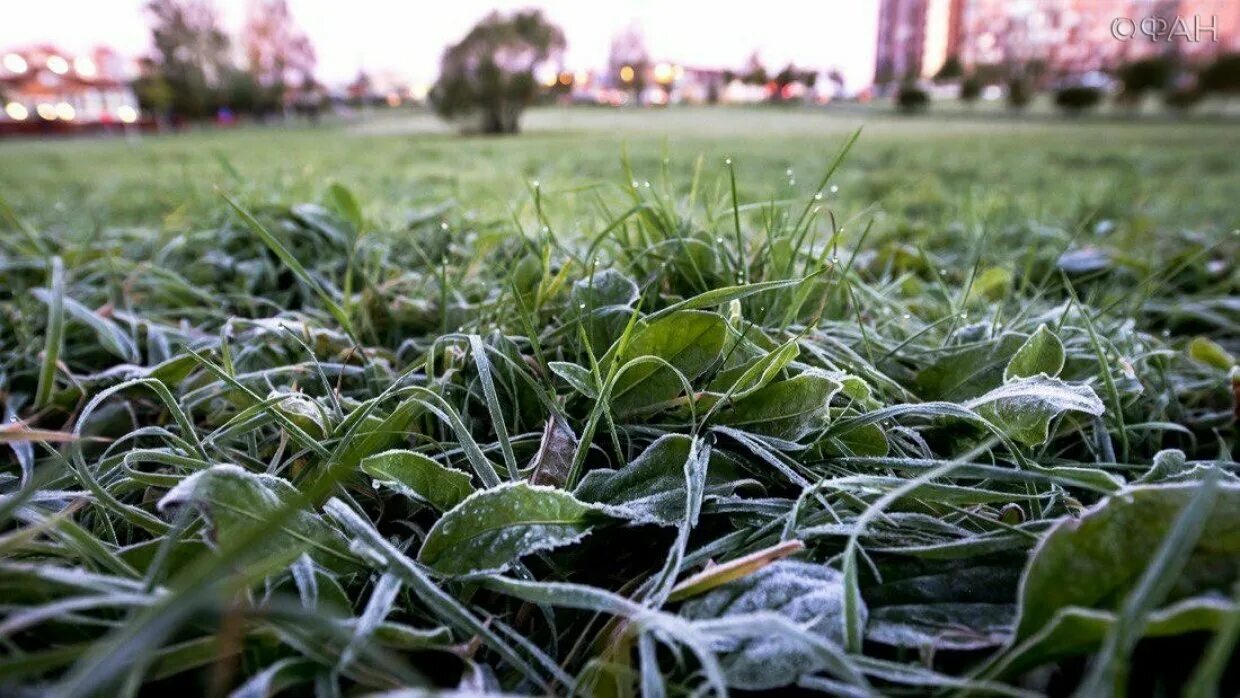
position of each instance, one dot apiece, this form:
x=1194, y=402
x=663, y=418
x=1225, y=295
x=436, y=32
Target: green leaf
x=1074, y=630
x=787, y=410
x=1210, y=353
x=1024, y=407
x=605, y=288
x=235, y=500
x=808, y=595
x=492, y=528
x=577, y=376
x=967, y=372
x=690, y=341
x=341, y=200
x=651, y=489
x=415, y=475
x=1041, y=353
x=1105, y=551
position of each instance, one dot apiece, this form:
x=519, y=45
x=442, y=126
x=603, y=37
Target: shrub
x=1019, y=93
x=911, y=98
x=1078, y=98
x=970, y=89
x=1183, y=98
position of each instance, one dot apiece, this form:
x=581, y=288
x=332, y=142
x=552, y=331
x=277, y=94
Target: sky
x=407, y=37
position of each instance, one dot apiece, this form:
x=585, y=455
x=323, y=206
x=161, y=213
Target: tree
x=277, y=53
x=754, y=72
x=950, y=70
x=628, y=51
x=190, y=54
x=1142, y=76
x=1019, y=93
x=1222, y=76
x=489, y=75
x=970, y=89
x=1077, y=99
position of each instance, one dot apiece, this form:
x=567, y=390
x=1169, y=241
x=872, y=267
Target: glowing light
x=419, y=91
x=546, y=75
x=14, y=63
x=16, y=111
x=582, y=77
x=566, y=78
x=57, y=64
x=65, y=111
x=85, y=67
x=127, y=114
x=664, y=73
x=393, y=99
x=46, y=111
x=627, y=74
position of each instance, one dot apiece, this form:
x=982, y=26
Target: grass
x=665, y=402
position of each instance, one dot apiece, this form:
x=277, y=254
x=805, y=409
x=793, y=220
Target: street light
x=14, y=63
x=16, y=111
x=627, y=74
x=57, y=64
x=664, y=73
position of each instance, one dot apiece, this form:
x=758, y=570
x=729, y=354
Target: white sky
x=408, y=36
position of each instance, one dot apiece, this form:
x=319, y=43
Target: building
x=1057, y=37
x=901, y=40
x=42, y=85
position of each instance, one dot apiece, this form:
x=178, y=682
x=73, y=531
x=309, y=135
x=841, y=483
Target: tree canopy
x=486, y=80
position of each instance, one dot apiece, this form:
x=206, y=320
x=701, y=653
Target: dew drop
x=834, y=188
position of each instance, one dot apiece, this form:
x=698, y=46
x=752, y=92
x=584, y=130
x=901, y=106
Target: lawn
x=671, y=402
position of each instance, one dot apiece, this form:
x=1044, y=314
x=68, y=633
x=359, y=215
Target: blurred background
x=83, y=65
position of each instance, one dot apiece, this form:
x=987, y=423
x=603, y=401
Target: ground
x=1058, y=172
x=373, y=405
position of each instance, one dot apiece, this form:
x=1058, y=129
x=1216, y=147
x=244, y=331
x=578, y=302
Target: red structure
x=44, y=89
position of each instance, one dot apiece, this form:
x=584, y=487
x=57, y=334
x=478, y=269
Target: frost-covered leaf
x=235, y=500
x=967, y=372
x=417, y=476
x=809, y=595
x=578, y=377
x=492, y=528
x=1024, y=407
x=690, y=341
x=1093, y=561
x=788, y=410
x=1041, y=353
x=650, y=489
x=949, y=626
x=605, y=288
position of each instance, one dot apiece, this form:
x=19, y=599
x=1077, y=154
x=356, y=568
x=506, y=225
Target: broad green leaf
x=1024, y=407
x=415, y=475
x=739, y=381
x=577, y=376
x=234, y=500
x=690, y=341
x=1105, y=551
x=651, y=489
x=1041, y=353
x=967, y=372
x=788, y=410
x=606, y=288
x=493, y=528
x=943, y=626
x=1076, y=630
x=342, y=201
x=806, y=594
